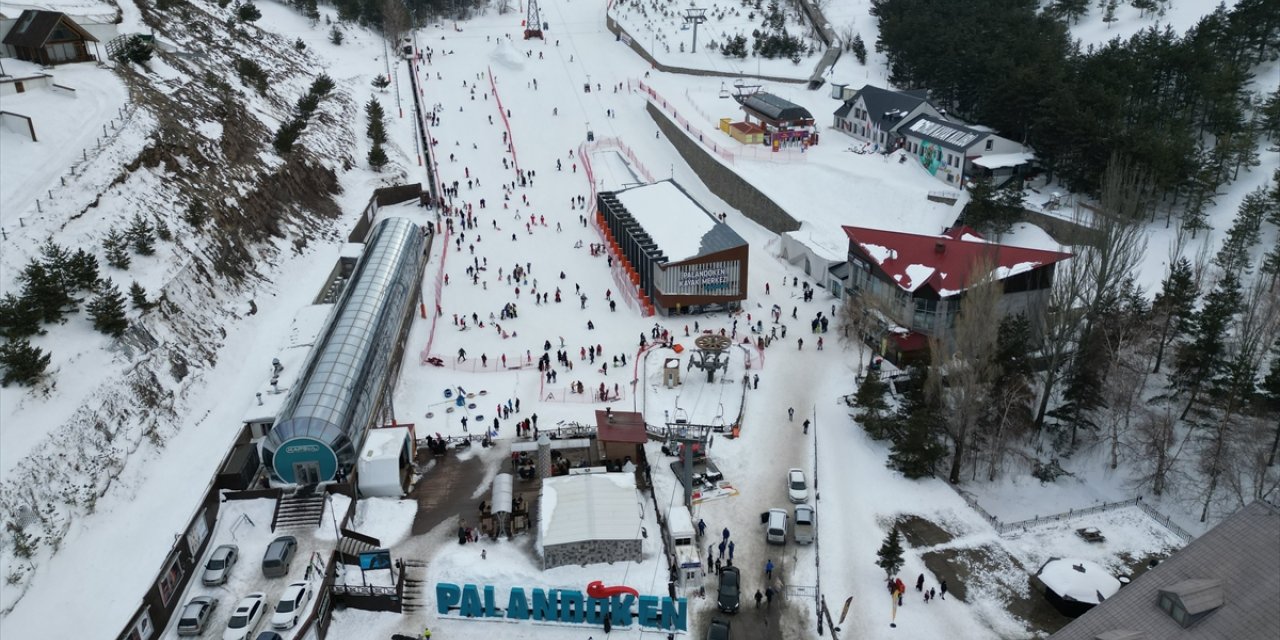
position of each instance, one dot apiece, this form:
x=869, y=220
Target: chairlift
x=724, y=91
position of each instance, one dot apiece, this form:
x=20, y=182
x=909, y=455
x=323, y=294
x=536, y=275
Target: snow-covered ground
x=856, y=497
x=659, y=28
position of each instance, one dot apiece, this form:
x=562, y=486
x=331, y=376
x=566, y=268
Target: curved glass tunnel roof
x=338, y=394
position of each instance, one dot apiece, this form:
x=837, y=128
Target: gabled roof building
x=1224, y=585
x=919, y=282
x=950, y=151
x=48, y=38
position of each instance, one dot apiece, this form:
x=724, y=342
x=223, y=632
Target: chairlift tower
x=695, y=16
x=710, y=355
x=533, y=21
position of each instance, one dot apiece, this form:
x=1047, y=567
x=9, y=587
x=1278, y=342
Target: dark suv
x=728, y=597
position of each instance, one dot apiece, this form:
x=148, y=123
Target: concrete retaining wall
x=727, y=185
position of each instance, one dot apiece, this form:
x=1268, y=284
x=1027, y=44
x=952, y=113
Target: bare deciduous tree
x=395, y=22
x=962, y=371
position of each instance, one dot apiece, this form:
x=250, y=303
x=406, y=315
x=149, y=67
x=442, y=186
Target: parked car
x=218, y=568
x=269, y=635
x=775, y=521
x=729, y=595
x=195, y=615
x=719, y=630
x=278, y=557
x=293, y=603
x=802, y=530
x=246, y=617
x=797, y=487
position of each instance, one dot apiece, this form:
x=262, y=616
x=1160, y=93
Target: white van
x=776, y=526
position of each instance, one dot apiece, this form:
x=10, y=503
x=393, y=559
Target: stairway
x=299, y=510
x=415, y=579
x=349, y=549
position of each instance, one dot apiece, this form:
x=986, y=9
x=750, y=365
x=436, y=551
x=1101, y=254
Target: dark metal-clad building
x=681, y=256
x=346, y=384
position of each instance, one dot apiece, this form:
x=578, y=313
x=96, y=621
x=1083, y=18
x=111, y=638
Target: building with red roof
x=921, y=279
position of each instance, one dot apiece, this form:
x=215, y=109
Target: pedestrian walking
x=722, y=543
x=755, y=381
x=717, y=566
x=768, y=594
x=920, y=583
x=702, y=527
x=942, y=589
x=759, y=597
x=932, y=593
x=806, y=426
x=800, y=344
x=725, y=534
x=730, y=551
x=768, y=571
x=791, y=414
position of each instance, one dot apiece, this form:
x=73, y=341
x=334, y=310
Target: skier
x=791, y=414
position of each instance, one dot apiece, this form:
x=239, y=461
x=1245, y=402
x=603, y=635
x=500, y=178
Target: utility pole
x=695, y=16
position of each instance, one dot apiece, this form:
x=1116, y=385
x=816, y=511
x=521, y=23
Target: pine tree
x=196, y=214
x=1174, y=306
x=46, y=290
x=870, y=398
x=82, y=270
x=381, y=82
x=917, y=449
x=141, y=235
x=1199, y=359
x=19, y=317
x=139, y=296
x=992, y=210
x=335, y=36
x=23, y=363
x=107, y=311
x=249, y=12
x=376, y=130
x=377, y=157
x=859, y=49
x=1109, y=15
x=889, y=557
x=116, y=246
x=162, y=230
x=311, y=11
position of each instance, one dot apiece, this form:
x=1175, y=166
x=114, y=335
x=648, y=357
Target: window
x=1172, y=606
x=169, y=580
x=989, y=143
x=142, y=628
x=199, y=531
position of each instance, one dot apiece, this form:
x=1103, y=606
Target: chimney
x=259, y=394
x=940, y=247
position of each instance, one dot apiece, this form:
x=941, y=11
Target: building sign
x=568, y=606
x=714, y=278
x=376, y=559
x=720, y=278
x=307, y=453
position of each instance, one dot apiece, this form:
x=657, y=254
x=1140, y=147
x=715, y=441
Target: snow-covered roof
x=679, y=520
x=943, y=262
x=944, y=133
x=306, y=325
x=822, y=244
x=384, y=443
x=593, y=506
x=1004, y=160
x=1079, y=580
x=677, y=223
